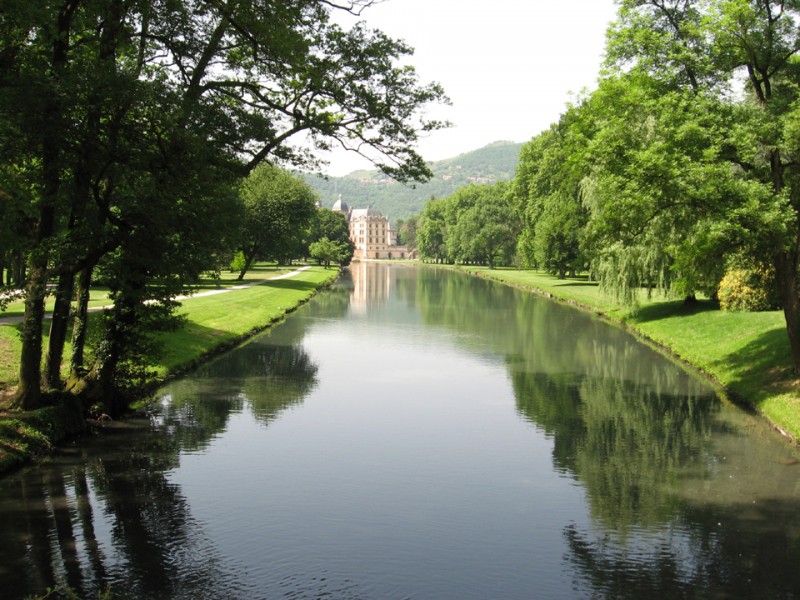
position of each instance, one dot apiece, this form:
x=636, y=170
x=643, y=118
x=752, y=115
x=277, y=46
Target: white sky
x=509, y=66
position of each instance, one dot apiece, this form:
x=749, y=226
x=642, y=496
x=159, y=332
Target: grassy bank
x=747, y=354
x=219, y=321
x=213, y=323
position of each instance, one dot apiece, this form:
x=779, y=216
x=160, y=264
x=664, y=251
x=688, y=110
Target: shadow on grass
x=291, y=283
x=206, y=283
x=573, y=283
x=677, y=308
x=765, y=362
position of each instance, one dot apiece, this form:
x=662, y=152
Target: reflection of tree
x=198, y=408
x=271, y=372
x=625, y=441
x=285, y=376
x=622, y=419
x=746, y=551
x=554, y=404
x=637, y=440
x=333, y=302
x=155, y=550
x=534, y=334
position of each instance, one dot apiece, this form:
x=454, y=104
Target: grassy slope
x=746, y=353
x=226, y=318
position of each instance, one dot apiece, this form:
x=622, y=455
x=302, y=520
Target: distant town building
x=371, y=233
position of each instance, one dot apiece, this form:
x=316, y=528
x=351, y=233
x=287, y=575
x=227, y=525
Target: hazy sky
x=509, y=66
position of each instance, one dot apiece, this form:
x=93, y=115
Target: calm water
x=418, y=434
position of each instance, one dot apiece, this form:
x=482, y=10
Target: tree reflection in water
x=118, y=520
x=115, y=521
x=663, y=517
x=677, y=502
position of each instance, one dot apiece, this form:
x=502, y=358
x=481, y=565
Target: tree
x=656, y=190
x=332, y=225
x=486, y=230
x=547, y=194
x=113, y=104
x=432, y=231
x=557, y=238
x=407, y=231
x=278, y=209
x=750, y=188
x=327, y=251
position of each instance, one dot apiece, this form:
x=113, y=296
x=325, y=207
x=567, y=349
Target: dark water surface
x=420, y=434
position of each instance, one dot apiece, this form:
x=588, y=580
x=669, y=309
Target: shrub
x=748, y=290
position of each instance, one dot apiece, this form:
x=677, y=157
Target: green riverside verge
x=213, y=324
x=746, y=354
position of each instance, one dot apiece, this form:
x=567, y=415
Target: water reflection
x=267, y=375
x=649, y=446
x=744, y=551
x=418, y=433
x=108, y=515
x=88, y=524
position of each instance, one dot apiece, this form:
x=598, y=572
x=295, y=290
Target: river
x=418, y=433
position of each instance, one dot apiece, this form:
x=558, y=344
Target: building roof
x=365, y=212
x=340, y=205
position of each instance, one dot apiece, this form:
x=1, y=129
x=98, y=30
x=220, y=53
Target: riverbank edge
x=724, y=392
x=26, y=437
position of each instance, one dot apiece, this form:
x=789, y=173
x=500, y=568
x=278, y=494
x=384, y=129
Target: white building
x=371, y=233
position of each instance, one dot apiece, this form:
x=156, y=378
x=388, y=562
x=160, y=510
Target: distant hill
x=360, y=189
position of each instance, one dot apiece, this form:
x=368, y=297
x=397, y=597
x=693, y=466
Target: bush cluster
x=748, y=290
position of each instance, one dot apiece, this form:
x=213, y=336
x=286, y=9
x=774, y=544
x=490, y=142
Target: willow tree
x=116, y=103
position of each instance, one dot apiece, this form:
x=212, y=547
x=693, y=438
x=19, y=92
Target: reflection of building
x=371, y=233
x=371, y=285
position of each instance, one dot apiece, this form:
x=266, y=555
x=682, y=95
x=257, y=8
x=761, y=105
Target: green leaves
x=478, y=223
x=278, y=209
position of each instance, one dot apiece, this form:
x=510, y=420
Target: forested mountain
x=495, y=162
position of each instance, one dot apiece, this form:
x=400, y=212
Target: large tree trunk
x=121, y=327
x=58, y=331
x=80, y=326
x=29, y=390
x=18, y=279
x=249, y=257
x=103, y=375
x=786, y=274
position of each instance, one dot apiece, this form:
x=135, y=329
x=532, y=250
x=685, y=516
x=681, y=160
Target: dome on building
x=340, y=205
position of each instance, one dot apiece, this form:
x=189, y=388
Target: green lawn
x=10, y=347
x=746, y=353
x=211, y=320
x=99, y=294
x=220, y=319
